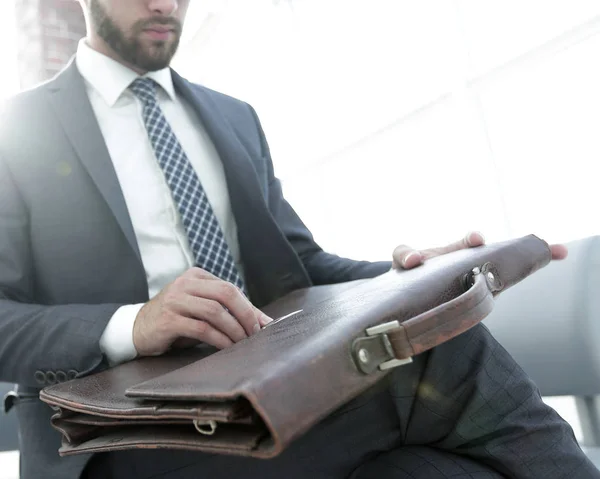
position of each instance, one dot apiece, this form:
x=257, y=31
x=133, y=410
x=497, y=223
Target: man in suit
x=139, y=212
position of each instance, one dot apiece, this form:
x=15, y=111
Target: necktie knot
x=144, y=89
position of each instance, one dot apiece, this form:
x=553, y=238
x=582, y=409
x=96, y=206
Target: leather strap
x=394, y=343
x=444, y=322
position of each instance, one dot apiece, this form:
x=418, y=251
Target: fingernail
x=256, y=328
x=470, y=238
x=413, y=254
x=266, y=319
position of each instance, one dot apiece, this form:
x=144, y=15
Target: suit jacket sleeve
x=322, y=267
x=38, y=337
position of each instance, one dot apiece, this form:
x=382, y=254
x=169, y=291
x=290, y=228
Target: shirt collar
x=110, y=78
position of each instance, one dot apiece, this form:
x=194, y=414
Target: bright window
x=401, y=121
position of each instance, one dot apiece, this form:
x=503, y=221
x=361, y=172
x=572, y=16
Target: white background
x=395, y=121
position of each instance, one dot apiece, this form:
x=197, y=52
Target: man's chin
x=148, y=62
x=156, y=56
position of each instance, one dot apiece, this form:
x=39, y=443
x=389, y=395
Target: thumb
x=405, y=257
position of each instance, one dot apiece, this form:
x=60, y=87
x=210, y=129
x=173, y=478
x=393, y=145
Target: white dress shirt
x=160, y=234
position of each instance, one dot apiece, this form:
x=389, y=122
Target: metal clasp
x=374, y=352
x=201, y=427
x=491, y=274
x=282, y=318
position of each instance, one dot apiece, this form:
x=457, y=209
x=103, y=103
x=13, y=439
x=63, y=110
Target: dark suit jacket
x=68, y=253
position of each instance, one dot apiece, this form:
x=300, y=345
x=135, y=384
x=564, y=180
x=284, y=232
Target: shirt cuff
x=117, y=339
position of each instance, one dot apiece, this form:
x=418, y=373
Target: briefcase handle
x=392, y=344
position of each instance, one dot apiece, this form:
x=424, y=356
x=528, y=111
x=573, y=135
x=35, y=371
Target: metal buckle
x=9, y=401
x=374, y=352
x=201, y=427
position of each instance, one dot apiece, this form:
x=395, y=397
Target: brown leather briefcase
x=329, y=344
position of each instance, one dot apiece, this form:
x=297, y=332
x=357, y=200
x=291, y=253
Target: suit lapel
x=73, y=109
x=268, y=258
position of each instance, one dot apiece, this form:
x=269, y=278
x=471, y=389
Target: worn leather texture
x=268, y=389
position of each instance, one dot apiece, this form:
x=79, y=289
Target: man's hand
x=405, y=257
x=196, y=307
x=559, y=251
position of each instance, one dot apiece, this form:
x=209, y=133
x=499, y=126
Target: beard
x=147, y=57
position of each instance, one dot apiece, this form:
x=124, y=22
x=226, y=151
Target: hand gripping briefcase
x=328, y=345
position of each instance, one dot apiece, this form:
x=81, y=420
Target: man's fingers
x=559, y=251
x=215, y=314
x=200, y=273
x=475, y=238
x=406, y=257
x=231, y=298
x=264, y=320
x=203, y=332
x=471, y=240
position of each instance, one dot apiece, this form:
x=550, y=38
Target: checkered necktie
x=204, y=233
